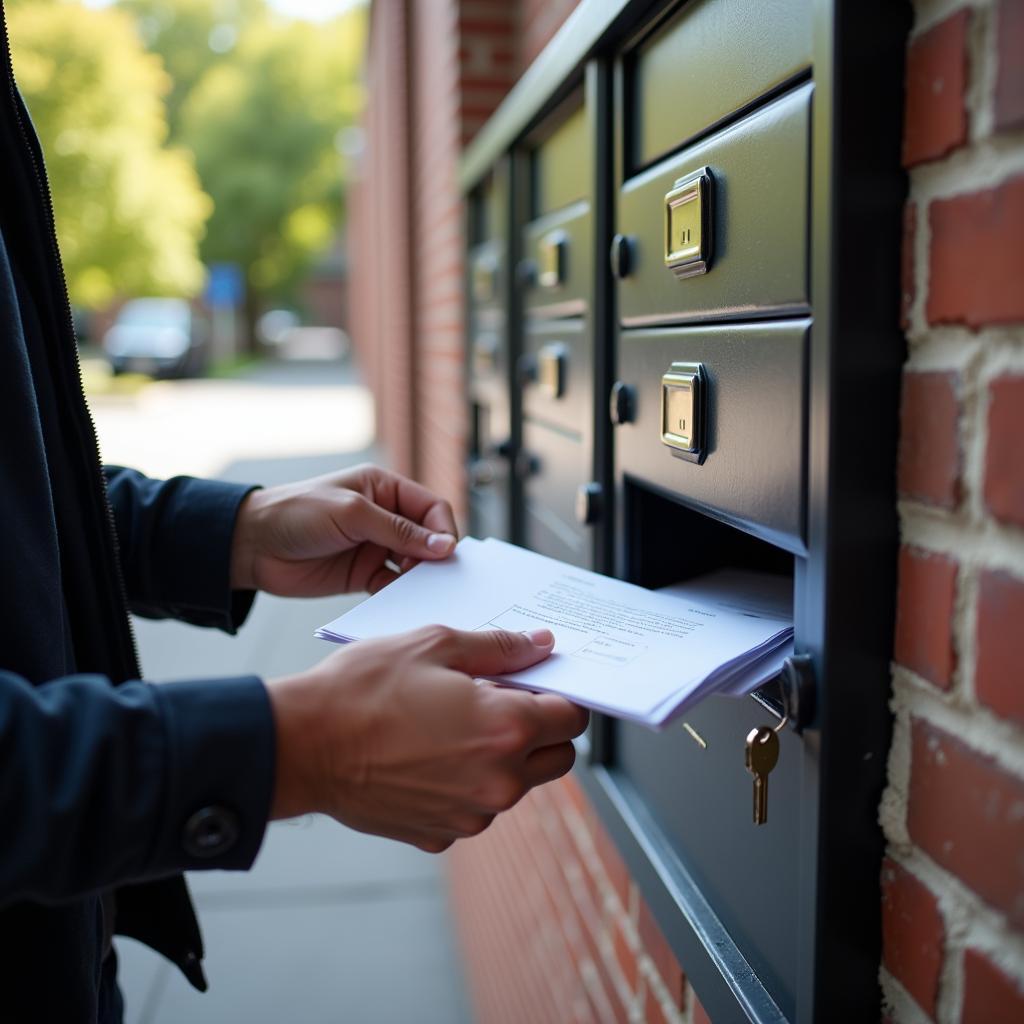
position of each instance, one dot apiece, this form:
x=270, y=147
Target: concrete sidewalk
x=330, y=925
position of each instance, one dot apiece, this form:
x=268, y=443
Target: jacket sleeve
x=175, y=541
x=102, y=785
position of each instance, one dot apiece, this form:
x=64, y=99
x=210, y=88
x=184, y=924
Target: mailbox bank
x=683, y=355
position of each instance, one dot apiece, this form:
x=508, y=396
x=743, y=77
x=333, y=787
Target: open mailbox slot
x=688, y=782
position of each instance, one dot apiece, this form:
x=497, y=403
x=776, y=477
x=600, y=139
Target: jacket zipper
x=99, y=482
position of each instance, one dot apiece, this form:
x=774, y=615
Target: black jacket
x=109, y=787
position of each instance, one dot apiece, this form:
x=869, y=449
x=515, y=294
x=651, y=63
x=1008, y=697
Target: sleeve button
x=210, y=832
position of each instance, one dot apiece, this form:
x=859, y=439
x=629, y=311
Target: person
x=110, y=787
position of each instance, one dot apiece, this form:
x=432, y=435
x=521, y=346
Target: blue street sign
x=226, y=286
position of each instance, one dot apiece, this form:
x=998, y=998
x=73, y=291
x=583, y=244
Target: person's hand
x=395, y=738
x=336, y=533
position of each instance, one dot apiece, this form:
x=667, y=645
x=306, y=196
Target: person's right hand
x=394, y=737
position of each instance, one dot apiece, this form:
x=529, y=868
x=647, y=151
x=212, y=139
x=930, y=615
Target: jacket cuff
x=220, y=774
x=196, y=555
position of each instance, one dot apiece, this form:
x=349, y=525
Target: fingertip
x=540, y=637
x=440, y=544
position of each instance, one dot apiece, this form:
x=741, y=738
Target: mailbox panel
x=712, y=59
x=701, y=796
x=755, y=200
x=557, y=241
x=557, y=376
x=558, y=465
x=556, y=162
x=718, y=151
x=559, y=263
x=751, y=468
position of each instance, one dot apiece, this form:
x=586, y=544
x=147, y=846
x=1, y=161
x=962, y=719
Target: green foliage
x=191, y=36
x=252, y=102
x=129, y=210
x=263, y=124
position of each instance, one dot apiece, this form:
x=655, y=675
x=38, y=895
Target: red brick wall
x=953, y=813
x=488, y=59
x=539, y=20
x=380, y=279
x=552, y=927
x=438, y=245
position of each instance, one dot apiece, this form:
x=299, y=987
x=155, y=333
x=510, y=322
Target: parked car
x=161, y=337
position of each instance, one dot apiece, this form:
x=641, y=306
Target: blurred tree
x=264, y=125
x=191, y=36
x=129, y=211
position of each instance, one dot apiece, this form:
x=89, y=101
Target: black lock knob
x=525, y=465
x=589, y=502
x=526, y=273
x=621, y=256
x=798, y=691
x=527, y=369
x=622, y=403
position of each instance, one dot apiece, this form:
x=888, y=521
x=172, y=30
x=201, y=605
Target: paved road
x=330, y=926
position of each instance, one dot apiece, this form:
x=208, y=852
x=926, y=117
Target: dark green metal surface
x=759, y=217
x=707, y=62
x=754, y=471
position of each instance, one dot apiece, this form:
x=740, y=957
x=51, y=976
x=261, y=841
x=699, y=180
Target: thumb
x=493, y=651
x=395, y=533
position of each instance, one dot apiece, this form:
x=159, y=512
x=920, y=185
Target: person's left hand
x=336, y=533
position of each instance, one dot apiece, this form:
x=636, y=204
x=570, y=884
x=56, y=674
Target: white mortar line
x=977, y=727
x=974, y=542
x=970, y=168
x=928, y=13
x=898, y=1001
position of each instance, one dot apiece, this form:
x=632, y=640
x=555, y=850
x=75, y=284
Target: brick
x=653, y=1013
x=607, y=983
x=929, y=459
x=913, y=934
x=908, y=281
x=568, y=788
x=990, y=996
x=1004, y=466
x=977, y=257
x=656, y=946
x=924, y=615
x=700, y=1015
x=935, y=116
x=614, y=865
x=1009, y=90
x=999, y=671
x=627, y=959
x=967, y=813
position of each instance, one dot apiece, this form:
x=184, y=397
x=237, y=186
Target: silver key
x=762, y=754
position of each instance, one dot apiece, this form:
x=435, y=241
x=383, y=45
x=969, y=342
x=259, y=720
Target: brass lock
x=684, y=410
x=552, y=364
x=688, y=225
x=552, y=258
x=485, y=279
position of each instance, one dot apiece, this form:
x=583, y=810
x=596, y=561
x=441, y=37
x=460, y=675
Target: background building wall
x=953, y=813
x=553, y=927
x=380, y=282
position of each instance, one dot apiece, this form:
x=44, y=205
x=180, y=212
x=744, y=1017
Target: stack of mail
x=637, y=654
